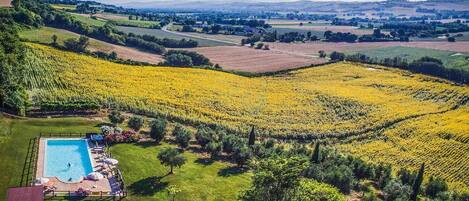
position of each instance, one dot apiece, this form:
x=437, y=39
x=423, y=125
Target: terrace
x=85, y=161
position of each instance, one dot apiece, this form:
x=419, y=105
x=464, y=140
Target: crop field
x=64, y=7
x=165, y=34
x=450, y=59
x=312, y=48
x=381, y=108
x=44, y=35
x=123, y=20
x=252, y=60
x=324, y=28
x=219, y=37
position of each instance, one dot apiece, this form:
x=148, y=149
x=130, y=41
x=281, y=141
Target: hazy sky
x=127, y=1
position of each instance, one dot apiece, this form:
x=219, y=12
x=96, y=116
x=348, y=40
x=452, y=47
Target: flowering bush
x=127, y=136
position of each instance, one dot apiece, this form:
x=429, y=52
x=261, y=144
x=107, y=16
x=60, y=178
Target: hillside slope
x=377, y=106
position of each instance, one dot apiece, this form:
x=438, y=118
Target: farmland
x=166, y=34
x=387, y=110
x=44, y=35
x=324, y=28
x=251, y=60
x=313, y=47
x=89, y=21
x=450, y=59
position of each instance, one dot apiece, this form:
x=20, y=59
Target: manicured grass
x=141, y=169
x=450, y=59
x=163, y=34
x=14, y=143
x=199, y=179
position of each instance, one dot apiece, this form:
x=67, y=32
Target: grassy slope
x=338, y=98
x=44, y=35
x=138, y=163
x=450, y=59
x=163, y=34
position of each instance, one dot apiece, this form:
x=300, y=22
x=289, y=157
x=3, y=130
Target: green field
x=196, y=180
x=283, y=30
x=64, y=7
x=89, y=21
x=163, y=34
x=44, y=35
x=450, y=59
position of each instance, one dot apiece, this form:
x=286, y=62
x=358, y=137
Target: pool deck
x=96, y=187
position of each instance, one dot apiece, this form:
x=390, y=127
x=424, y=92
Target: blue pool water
x=61, y=153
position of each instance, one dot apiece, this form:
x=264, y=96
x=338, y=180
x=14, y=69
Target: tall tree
x=417, y=183
x=315, y=158
x=171, y=157
x=252, y=137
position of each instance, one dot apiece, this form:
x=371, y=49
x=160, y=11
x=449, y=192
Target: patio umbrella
x=95, y=176
x=111, y=161
x=41, y=181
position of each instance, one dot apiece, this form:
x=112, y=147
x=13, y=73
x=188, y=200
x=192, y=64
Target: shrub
x=178, y=60
x=135, y=122
x=157, y=129
x=396, y=190
x=116, y=117
x=204, y=136
x=435, y=186
x=183, y=136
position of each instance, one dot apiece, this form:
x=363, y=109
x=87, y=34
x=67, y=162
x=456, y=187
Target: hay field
x=377, y=113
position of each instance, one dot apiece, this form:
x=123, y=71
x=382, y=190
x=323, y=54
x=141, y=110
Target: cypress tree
x=316, y=151
x=417, y=183
x=252, y=137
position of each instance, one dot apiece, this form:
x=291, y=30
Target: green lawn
x=135, y=23
x=197, y=180
x=450, y=59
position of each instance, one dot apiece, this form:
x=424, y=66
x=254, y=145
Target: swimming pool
x=68, y=160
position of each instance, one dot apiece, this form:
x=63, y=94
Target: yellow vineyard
x=423, y=118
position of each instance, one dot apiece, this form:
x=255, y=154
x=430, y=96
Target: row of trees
x=183, y=58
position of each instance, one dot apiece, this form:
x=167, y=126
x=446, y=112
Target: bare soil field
x=5, y=3
x=251, y=60
x=351, y=29
x=314, y=47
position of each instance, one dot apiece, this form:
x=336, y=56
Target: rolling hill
x=393, y=114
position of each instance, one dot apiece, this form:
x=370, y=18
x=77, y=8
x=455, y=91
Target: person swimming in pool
x=69, y=165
